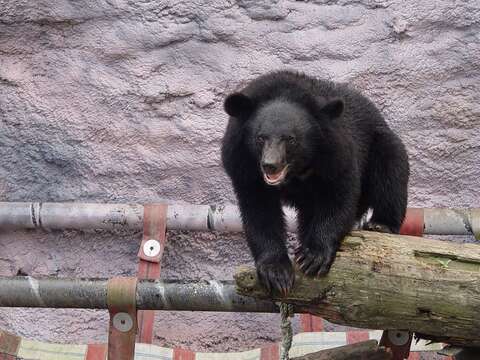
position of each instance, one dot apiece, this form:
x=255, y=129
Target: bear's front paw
x=276, y=274
x=315, y=261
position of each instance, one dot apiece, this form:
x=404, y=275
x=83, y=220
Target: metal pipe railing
x=177, y=295
x=81, y=216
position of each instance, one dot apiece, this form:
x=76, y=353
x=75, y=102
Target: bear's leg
x=265, y=230
x=388, y=174
x=322, y=227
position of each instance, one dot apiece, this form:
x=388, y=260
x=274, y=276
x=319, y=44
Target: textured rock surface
x=120, y=101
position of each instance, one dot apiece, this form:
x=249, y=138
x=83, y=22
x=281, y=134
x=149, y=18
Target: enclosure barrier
x=303, y=343
x=124, y=296
x=81, y=216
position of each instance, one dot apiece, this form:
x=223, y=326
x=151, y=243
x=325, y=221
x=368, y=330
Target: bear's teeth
x=274, y=179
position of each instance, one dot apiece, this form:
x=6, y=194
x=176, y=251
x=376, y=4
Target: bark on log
x=385, y=281
x=365, y=350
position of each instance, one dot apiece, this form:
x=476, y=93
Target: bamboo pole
x=81, y=216
x=384, y=281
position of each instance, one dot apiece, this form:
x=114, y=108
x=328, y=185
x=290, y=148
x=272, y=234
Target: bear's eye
x=291, y=140
x=261, y=139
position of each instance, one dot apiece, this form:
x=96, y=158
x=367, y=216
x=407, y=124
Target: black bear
x=321, y=147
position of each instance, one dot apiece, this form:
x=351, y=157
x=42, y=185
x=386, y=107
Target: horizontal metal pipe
x=80, y=216
x=452, y=222
x=26, y=291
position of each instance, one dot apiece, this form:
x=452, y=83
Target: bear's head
x=283, y=135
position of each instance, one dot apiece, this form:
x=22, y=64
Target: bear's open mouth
x=276, y=178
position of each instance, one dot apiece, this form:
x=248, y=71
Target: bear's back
x=360, y=114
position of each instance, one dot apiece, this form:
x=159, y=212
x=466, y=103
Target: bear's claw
x=276, y=275
x=314, y=262
x=373, y=226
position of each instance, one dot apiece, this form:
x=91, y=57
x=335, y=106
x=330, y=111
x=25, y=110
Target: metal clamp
x=398, y=341
x=121, y=301
x=154, y=229
x=150, y=254
x=413, y=224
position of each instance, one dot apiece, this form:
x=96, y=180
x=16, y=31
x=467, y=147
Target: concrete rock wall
x=120, y=101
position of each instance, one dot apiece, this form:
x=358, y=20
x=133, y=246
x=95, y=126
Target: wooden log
x=365, y=350
x=385, y=281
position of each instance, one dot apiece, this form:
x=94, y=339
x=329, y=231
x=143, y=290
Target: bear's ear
x=333, y=108
x=238, y=105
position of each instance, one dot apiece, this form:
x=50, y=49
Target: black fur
x=342, y=159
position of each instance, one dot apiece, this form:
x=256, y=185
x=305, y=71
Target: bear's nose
x=271, y=168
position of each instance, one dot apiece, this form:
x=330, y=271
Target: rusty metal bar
x=26, y=291
x=81, y=216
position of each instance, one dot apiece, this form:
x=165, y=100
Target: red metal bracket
x=9, y=345
x=398, y=341
x=413, y=224
x=121, y=300
x=311, y=323
x=150, y=254
x=96, y=352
